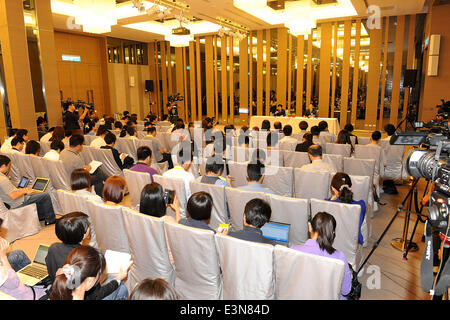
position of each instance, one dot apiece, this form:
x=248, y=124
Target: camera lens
x=420, y=164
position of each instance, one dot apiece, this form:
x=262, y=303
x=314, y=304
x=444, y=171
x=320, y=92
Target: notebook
x=37, y=270
x=277, y=231
x=116, y=260
x=94, y=166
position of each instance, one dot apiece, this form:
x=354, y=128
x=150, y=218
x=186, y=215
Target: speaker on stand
x=149, y=87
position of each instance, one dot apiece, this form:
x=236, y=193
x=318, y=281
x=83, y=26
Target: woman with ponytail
x=341, y=189
x=322, y=231
x=79, y=278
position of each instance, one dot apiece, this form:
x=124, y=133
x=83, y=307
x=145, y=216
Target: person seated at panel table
x=344, y=138
x=257, y=213
x=305, y=144
x=255, y=178
x=322, y=232
x=280, y=111
x=55, y=149
x=310, y=111
x=341, y=190
x=317, y=164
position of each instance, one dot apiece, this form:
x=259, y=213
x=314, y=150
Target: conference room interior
x=368, y=63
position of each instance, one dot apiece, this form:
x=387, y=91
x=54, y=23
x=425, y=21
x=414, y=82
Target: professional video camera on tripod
x=430, y=161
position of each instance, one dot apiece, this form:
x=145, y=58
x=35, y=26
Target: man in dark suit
x=280, y=111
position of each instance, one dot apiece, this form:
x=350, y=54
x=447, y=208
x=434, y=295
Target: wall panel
x=324, y=74
x=299, y=89
x=345, y=73
x=282, y=66
x=398, y=57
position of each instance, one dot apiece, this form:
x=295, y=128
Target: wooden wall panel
x=179, y=68
x=186, y=86
x=209, y=71
x=383, y=71
x=259, y=72
x=299, y=89
x=333, y=74
x=268, y=72
x=169, y=69
x=199, y=80
x=396, y=78
x=282, y=66
x=324, y=73
x=243, y=79
x=289, y=74
x=309, y=78
x=165, y=92
x=356, y=72
x=192, y=80
x=250, y=72
x=216, y=83
x=345, y=73
x=410, y=60
x=231, y=79
x=224, y=82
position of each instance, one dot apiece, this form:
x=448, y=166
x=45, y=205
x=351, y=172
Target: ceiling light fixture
x=96, y=16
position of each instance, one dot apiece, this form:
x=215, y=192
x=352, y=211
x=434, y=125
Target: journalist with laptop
x=20, y=197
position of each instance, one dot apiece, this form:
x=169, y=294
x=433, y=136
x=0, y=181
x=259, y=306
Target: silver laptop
x=277, y=231
x=37, y=270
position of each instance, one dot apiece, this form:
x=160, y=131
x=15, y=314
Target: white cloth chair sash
x=341, y=149
x=335, y=159
x=58, y=174
x=109, y=165
x=280, y=180
x=238, y=170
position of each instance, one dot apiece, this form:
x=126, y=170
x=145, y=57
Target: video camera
x=78, y=104
x=175, y=98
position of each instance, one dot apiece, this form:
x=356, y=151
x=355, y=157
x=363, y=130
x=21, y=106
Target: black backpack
x=389, y=187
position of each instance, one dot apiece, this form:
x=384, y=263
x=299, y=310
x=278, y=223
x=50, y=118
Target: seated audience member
x=90, y=128
x=58, y=134
x=344, y=138
x=280, y=111
x=287, y=131
x=214, y=169
x=315, y=131
x=265, y=125
x=9, y=281
x=71, y=229
x=17, y=144
x=157, y=289
x=6, y=146
x=79, y=278
x=349, y=128
x=55, y=149
x=131, y=133
x=81, y=184
x=317, y=164
x=100, y=140
x=257, y=213
x=118, y=126
x=244, y=137
x=144, y=157
x=303, y=125
x=114, y=190
x=272, y=140
x=230, y=130
x=182, y=169
x=161, y=154
x=255, y=178
x=323, y=128
x=375, y=138
x=17, y=198
x=20, y=134
x=123, y=160
x=46, y=137
x=199, y=207
x=305, y=144
x=277, y=126
x=390, y=130
x=322, y=231
x=33, y=147
x=72, y=160
x=341, y=190
x=67, y=135
x=255, y=128
x=153, y=203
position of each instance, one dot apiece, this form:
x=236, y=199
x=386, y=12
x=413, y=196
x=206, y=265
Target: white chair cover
x=372, y=152
x=280, y=180
x=19, y=223
x=315, y=277
x=291, y=211
x=361, y=167
x=219, y=212
x=361, y=190
x=128, y=146
x=148, y=248
x=41, y=171
x=87, y=155
x=25, y=168
x=109, y=165
x=196, y=262
x=89, y=138
x=136, y=181
x=237, y=255
x=236, y=200
x=45, y=147
x=305, y=189
x=180, y=192
x=58, y=174
x=238, y=170
x=363, y=140
x=342, y=149
x=109, y=227
x=72, y=202
x=287, y=145
x=295, y=159
x=393, y=161
x=347, y=226
x=335, y=159
x=14, y=173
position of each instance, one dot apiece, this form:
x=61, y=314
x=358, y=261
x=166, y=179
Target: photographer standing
x=72, y=118
x=172, y=110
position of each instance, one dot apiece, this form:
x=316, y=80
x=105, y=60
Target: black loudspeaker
x=410, y=78
x=149, y=85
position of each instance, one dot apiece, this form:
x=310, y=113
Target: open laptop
x=277, y=231
x=37, y=270
x=40, y=184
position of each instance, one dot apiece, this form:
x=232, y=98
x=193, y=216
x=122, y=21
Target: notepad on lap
x=116, y=260
x=94, y=165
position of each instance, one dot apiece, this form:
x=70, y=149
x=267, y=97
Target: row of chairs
x=208, y=265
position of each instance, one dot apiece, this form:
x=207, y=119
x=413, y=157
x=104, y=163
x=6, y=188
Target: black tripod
x=409, y=197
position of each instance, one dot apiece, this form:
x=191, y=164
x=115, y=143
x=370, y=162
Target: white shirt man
x=98, y=142
x=317, y=164
x=52, y=155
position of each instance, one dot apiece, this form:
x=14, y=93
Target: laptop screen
x=276, y=231
x=40, y=184
x=41, y=254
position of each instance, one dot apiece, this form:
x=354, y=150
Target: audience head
x=67, y=133
x=265, y=125
x=323, y=126
x=131, y=131
x=277, y=125
x=152, y=200
x=315, y=152
x=257, y=213
x=323, y=228
x=57, y=145
x=118, y=125
x=33, y=147
x=199, y=206
x=12, y=132
x=303, y=125
x=349, y=127
x=110, y=139
x=144, y=154
x=84, y=267
x=258, y=155
x=315, y=131
x=390, y=129
x=72, y=228
x=164, y=117
x=18, y=143
x=101, y=131
x=157, y=289
x=344, y=138
x=76, y=142
x=58, y=134
x=341, y=186
x=114, y=189
x=287, y=130
x=23, y=133
x=255, y=172
x=215, y=165
x=307, y=137
x=5, y=164
x=151, y=131
x=80, y=179
x=376, y=136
